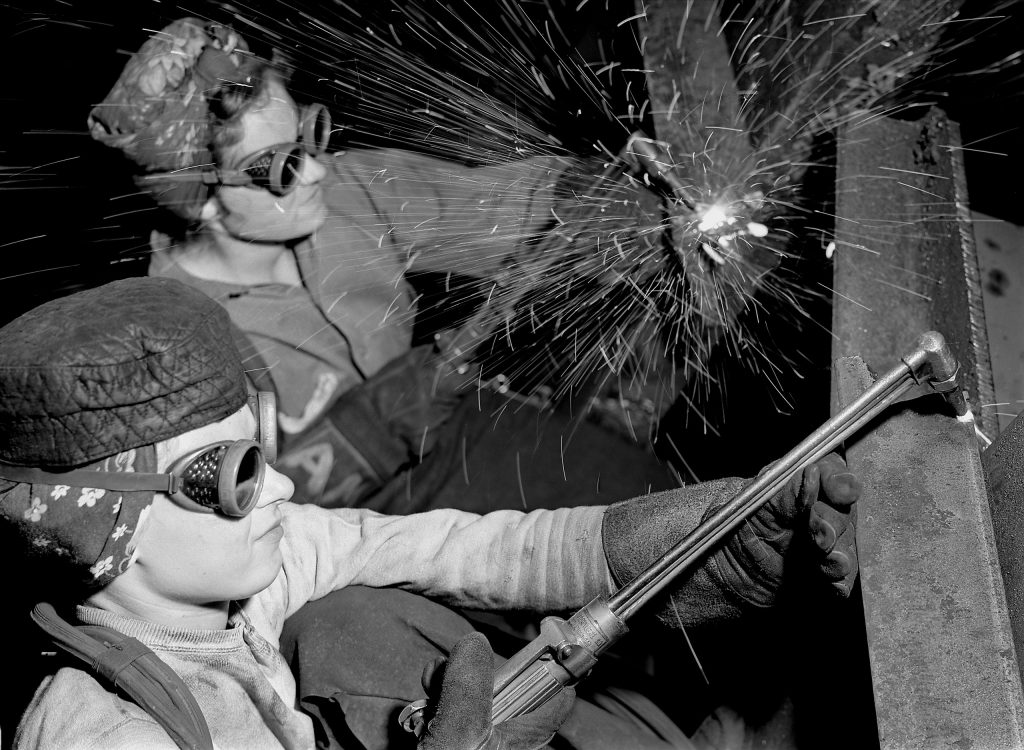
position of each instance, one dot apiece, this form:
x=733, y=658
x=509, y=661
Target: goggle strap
x=126, y=481
x=206, y=175
x=209, y=175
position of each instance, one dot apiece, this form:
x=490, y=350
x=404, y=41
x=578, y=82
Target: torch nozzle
x=934, y=360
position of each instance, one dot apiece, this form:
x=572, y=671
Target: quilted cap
x=158, y=114
x=113, y=368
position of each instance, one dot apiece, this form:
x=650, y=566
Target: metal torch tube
x=535, y=674
x=726, y=519
x=534, y=689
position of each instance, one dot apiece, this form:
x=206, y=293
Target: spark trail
x=624, y=285
x=627, y=282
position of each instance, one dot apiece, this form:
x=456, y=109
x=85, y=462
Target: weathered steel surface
x=694, y=100
x=943, y=662
x=905, y=260
x=1004, y=474
x=944, y=666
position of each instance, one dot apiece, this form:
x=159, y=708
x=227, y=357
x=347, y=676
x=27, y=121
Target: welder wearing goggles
x=134, y=461
x=275, y=168
x=224, y=477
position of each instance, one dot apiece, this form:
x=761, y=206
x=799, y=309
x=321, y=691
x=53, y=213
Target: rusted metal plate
x=943, y=661
x=905, y=260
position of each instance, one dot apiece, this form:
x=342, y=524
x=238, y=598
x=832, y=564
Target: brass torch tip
x=942, y=363
x=944, y=370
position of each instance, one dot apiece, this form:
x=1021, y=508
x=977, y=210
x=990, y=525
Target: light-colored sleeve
x=72, y=711
x=545, y=560
x=443, y=215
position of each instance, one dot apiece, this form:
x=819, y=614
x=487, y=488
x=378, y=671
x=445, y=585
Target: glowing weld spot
x=713, y=218
x=830, y=250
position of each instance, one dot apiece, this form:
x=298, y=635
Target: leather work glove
x=821, y=499
x=811, y=519
x=462, y=691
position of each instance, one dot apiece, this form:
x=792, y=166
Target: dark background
x=72, y=218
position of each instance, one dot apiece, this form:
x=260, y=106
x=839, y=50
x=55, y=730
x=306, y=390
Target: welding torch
x=566, y=650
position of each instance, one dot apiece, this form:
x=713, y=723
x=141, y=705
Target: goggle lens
x=249, y=480
x=290, y=169
x=264, y=408
x=224, y=476
x=276, y=169
x=315, y=128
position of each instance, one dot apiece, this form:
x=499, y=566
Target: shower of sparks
x=625, y=280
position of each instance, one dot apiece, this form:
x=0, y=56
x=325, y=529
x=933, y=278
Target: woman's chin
x=291, y=231
x=295, y=218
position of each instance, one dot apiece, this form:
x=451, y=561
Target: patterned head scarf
x=158, y=115
x=93, y=531
x=93, y=381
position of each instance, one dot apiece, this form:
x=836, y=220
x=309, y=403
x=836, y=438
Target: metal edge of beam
x=985, y=394
x=905, y=259
x=943, y=661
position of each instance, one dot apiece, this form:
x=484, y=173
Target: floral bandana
x=158, y=114
x=92, y=529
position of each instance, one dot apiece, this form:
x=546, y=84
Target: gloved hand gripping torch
x=566, y=650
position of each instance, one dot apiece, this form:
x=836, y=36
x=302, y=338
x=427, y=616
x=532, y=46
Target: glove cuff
x=637, y=532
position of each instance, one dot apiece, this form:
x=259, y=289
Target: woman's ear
x=158, y=241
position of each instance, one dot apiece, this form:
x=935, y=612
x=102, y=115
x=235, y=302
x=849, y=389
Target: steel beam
x=1004, y=474
x=905, y=260
x=695, y=102
x=943, y=661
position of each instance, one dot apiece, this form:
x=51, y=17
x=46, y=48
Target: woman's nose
x=277, y=488
x=312, y=171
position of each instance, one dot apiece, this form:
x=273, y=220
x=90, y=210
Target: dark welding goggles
x=226, y=476
x=275, y=168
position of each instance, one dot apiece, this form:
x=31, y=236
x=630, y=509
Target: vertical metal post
x=905, y=260
x=943, y=661
x=1004, y=475
x=690, y=82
